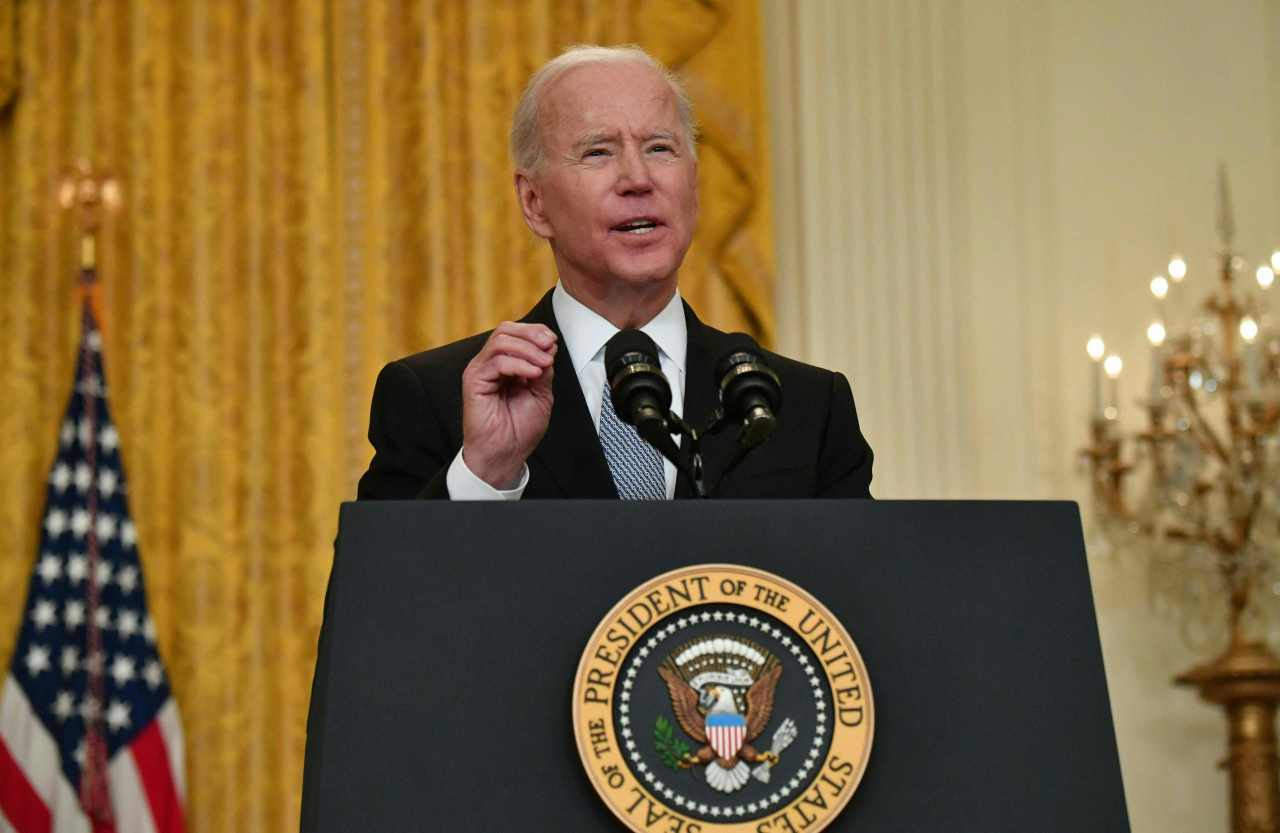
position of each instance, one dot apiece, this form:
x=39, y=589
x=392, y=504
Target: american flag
x=89, y=731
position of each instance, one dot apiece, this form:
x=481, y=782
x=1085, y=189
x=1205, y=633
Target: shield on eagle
x=725, y=733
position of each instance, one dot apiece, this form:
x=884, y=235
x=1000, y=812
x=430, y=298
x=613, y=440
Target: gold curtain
x=311, y=188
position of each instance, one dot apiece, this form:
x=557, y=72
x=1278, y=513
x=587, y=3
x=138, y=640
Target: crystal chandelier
x=1195, y=496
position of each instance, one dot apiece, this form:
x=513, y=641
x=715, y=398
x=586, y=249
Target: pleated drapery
x=310, y=189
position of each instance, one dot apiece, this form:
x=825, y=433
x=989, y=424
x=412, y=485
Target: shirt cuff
x=463, y=484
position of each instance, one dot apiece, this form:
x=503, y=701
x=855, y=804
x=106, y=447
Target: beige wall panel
x=965, y=191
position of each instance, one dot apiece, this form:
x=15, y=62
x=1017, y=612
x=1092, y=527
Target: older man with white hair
x=605, y=151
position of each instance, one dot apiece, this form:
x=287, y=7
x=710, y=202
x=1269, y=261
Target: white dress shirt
x=584, y=332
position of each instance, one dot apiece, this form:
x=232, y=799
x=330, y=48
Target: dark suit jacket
x=415, y=426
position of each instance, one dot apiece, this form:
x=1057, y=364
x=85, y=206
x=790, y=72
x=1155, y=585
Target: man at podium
x=606, y=172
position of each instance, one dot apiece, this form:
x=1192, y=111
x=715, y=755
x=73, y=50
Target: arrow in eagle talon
x=782, y=738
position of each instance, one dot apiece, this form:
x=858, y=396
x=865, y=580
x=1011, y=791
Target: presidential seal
x=722, y=698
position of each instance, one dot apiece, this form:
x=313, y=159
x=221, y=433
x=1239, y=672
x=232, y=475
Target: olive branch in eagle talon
x=671, y=749
x=712, y=719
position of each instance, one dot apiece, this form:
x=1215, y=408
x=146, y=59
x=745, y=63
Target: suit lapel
x=570, y=452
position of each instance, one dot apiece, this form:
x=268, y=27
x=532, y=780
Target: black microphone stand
x=687, y=456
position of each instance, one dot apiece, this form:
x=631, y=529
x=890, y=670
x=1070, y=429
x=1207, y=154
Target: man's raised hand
x=506, y=401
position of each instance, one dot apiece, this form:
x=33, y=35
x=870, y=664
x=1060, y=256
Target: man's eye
x=596, y=152
x=661, y=149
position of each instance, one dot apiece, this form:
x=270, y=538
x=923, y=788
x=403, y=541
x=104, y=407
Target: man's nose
x=633, y=173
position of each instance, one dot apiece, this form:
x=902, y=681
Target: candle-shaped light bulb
x=1112, y=365
x=1156, y=335
x=1095, y=348
x=1177, y=268
x=1160, y=287
x=1266, y=276
x=1252, y=357
x=1275, y=261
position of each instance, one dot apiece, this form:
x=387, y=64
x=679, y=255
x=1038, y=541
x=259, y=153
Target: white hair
x=526, y=138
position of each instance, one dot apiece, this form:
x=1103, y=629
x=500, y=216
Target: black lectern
x=453, y=631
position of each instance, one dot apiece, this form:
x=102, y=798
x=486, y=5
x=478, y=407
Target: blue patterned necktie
x=636, y=466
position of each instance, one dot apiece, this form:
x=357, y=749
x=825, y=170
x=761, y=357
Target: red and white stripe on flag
x=147, y=790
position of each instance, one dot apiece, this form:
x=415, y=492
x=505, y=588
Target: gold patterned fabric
x=8, y=58
x=310, y=189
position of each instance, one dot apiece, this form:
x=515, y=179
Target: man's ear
x=530, y=196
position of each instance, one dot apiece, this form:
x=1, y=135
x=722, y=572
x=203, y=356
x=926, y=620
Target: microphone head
x=637, y=387
x=750, y=392
x=618, y=350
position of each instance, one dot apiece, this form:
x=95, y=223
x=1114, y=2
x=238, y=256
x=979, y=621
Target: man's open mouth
x=642, y=225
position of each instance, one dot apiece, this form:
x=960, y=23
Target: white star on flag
x=122, y=669
x=84, y=476
x=153, y=674
x=103, y=573
x=55, y=522
x=117, y=716
x=128, y=535
x=61, y=477
x=50, y=569
x=93, y=340
x=77, y=568
x=74, y=614
x=37, y=659
x=67, y=434
x=84, y=431
x=90, y=708
x=102, y=618
x=64, y=706
x=106, y=483
x=127, y=578
x=106, y=529
x=92, y=386
x=45, y=614
x=70, y=660
x=108, y=438
x=127, y=623
x=80, y=522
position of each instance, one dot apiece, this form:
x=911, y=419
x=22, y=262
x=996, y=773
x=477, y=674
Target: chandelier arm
x=1205, y=432
x=1174, y=533
x=1245, y=523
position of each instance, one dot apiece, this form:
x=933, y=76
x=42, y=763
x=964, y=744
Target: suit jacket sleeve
x=844, y=467
x=411, y=449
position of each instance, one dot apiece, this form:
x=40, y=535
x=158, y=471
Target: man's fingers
x=538, y=334
x=509, y=345
x=511, y=367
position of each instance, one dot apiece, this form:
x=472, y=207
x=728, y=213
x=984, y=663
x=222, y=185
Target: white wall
x=965, y=189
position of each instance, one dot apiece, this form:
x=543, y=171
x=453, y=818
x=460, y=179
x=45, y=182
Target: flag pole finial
x=91, y=195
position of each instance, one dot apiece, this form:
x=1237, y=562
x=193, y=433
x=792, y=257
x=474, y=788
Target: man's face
x=616, y=192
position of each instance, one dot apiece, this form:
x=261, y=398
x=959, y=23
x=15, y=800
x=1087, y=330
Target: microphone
x=640, y=393
x=750, y=391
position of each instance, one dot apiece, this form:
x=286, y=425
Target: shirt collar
x=585, y=331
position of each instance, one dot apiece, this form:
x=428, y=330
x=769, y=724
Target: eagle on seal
x=711, y=717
